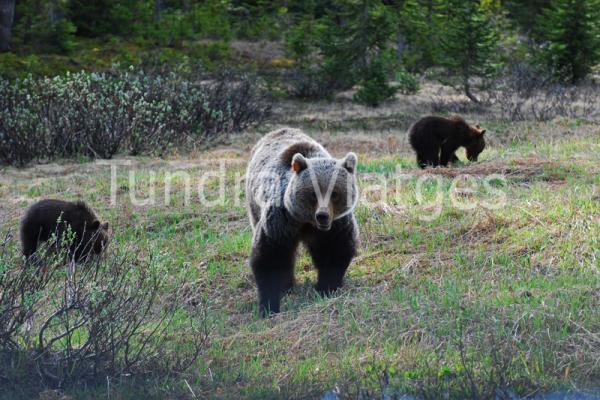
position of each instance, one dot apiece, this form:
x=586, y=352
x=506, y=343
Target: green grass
x=454, y=306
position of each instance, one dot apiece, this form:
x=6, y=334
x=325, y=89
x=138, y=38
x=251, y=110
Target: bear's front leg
x=332, y=252
x=448, y=156
x=272, y=264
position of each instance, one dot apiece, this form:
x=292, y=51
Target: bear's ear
x=95, y=225
x=349, y=162
x=299, y=163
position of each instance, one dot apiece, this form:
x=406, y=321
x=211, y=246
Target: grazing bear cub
x=48, y=217
x=435, y=139
x=296, y=192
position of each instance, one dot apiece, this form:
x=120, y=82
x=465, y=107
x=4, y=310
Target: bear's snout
x=323, y=220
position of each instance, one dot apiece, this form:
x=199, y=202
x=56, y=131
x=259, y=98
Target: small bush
x=74, y=323
x=97, y=115
x=408, y=83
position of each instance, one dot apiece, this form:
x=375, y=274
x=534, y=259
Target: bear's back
x=278, y=148
x=44, y=215
x=41, y=221
x=432, y=129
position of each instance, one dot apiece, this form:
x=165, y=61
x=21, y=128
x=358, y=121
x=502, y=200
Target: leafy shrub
x=97, y=115
x=104, y=318
x=408, y=83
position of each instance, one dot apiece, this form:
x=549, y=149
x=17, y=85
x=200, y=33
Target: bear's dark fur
x=435, y=139
x=48, y=217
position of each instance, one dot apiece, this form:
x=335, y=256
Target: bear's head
x=321, y=190
x=98, y=235
x=475, y=142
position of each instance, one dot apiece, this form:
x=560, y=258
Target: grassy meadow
x=489, y=291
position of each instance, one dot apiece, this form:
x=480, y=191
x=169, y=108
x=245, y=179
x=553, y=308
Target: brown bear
x=296, y=192
x=435, y=139
x=48, y=217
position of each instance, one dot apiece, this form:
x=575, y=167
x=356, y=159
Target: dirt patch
x=520, y=169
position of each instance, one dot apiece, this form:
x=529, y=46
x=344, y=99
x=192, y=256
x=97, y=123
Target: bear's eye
x=313, y=197
x=335, y=196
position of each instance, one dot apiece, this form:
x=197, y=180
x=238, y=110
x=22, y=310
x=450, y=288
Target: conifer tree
x=353, y=43
x=469, y=45
x=569, y=32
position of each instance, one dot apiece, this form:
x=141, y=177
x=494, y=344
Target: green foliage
x=332, y=44
x=523, y=12
x=57, y=35
x=346, y=45
x=569, y=32
x=374, y=87
x=47, y=30
x=354, y=34
x=261, y=19
x=408, y=83
x=417, y=30
x=469, y=42
x=172, y=29
x=97, y=115
x=301, y=42
x=211, y=20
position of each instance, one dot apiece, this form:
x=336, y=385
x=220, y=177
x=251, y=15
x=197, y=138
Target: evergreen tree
x=468, y=42
x=418, y=29
x=569, y=31
x=523, y=12
x=353, y=42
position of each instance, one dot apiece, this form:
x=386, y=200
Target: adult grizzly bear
x=297, y=192
x=48, y=217
x=435, y=139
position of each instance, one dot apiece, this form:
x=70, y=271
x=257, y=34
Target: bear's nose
x=322, y=217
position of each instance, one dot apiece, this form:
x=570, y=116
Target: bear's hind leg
x=331, y=253
x=429, y=156
x=272, y=265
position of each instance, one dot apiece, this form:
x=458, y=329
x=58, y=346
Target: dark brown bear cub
x=48, y=217
x=435, y=139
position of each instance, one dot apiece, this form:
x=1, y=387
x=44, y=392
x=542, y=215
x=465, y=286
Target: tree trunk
x=7, y=13
x=157, y=10
x=468, y=92
x=400, y=45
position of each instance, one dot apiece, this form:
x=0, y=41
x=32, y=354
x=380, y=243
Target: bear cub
x=435, y=139
x=296, y=192
x=48, y=217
